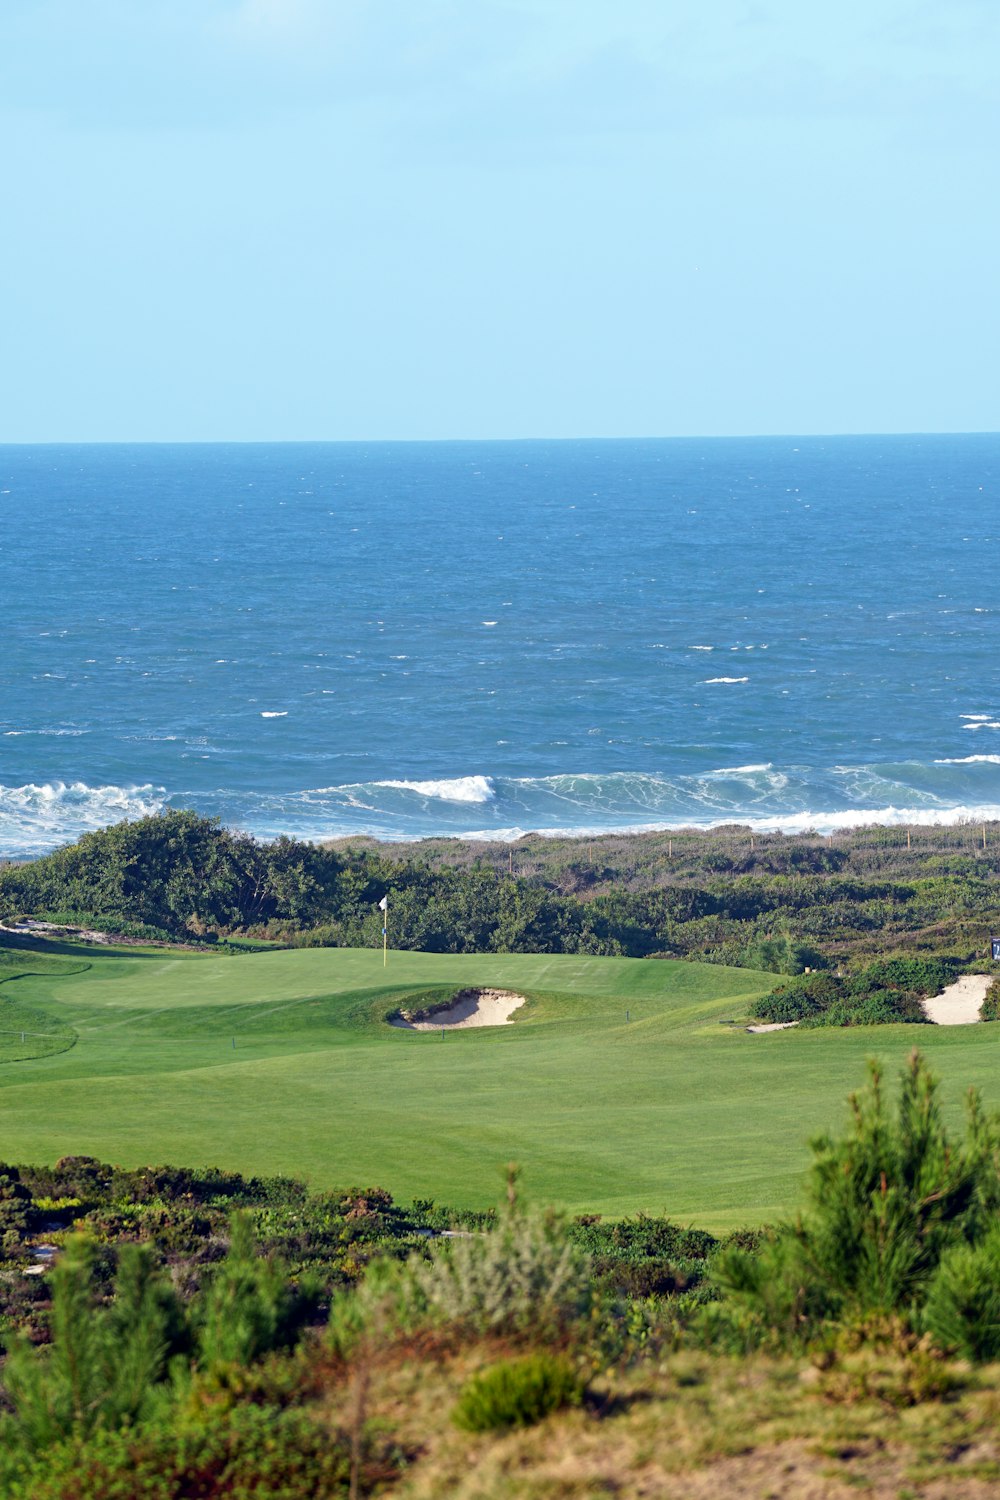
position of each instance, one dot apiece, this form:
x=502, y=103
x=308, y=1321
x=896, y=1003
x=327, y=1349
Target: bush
x=962, y=1312
x=525, y=1277
x=795, y=1002
x=887, y=1204
x=876, y=1008
x=990, y=1008
x=250, y=1307
x=105, y=1363
x=247, y=1453
x=518, y=1393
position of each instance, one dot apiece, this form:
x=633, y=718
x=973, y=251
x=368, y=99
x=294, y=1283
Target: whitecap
x=455, y=789
x=969, y=760
x=741, y=770
x=38, y=817
x=709, y=680
x=274, y=713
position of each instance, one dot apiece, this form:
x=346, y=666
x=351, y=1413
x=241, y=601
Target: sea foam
x=37, y=817
x=458, y=789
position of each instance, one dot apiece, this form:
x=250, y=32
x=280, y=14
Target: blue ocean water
x=413, y=639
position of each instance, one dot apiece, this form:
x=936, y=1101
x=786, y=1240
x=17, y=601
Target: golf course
x=620, y=1085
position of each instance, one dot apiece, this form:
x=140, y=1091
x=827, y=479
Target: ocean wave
x=741, y=770
x=458, y=789
x=970, y=760
x=760, y=795
x=708, y=680
x=37, y=817
x=823, y=823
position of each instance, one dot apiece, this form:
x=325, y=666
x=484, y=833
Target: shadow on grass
x=56, y=947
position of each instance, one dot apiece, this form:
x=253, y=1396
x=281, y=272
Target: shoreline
x=912, y=833
x=925, y=832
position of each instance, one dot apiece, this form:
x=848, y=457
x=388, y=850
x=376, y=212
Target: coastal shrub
x=990, y=1008
x=525, y=1277
x=883, y=993
x=962, y=1311
x=246, y=1452
x=885, y=1204
x=808, y=996
x=643, y=1257
x=250, y=1307
x=878, y=1008
x=918, y=976
x=518, y=1393
x=105, y=1362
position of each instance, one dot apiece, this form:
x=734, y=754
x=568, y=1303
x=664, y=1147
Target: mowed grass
x=283, y=1062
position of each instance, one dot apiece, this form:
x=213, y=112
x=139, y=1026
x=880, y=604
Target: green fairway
x=283, y=1062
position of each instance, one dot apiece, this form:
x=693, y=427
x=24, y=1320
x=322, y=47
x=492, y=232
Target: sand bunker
x=958, y=1005
x=772, y=1026
x=468, y=1008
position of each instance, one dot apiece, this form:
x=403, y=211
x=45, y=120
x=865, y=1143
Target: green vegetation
x=621, y=1086
x=877, y=994
x=845, y=1349
x=518, y=1393
x=727, y=896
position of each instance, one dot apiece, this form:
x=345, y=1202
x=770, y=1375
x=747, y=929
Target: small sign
x=995, y=947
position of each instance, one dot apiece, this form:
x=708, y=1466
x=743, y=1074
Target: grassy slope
x=696, y=1427
x=671, y=1112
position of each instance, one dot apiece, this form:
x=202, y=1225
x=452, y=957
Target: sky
x=423, y=219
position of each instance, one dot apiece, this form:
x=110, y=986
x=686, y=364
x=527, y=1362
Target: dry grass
x=695, y=1427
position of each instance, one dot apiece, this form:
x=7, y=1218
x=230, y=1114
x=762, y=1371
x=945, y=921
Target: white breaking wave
x=983, y=724
x=725, y=679
x=740, y=770
x=802, y=822
x=970, y=760
x=274, y=713
x=459, y=789
x=34, y=818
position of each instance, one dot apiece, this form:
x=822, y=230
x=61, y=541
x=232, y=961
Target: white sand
x=773, y=1026
x=958, y=1005
x=469, y=1008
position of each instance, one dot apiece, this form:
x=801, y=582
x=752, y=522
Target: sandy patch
x=773, y=1026
x=958, y=1005
x=468, y=1008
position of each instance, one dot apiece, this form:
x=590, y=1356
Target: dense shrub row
x=887, y=991
x=781, y=905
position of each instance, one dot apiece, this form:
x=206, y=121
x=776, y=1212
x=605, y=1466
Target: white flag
x=384, y=904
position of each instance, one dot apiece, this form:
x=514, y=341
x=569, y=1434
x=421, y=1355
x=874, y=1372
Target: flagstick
x=385, y=936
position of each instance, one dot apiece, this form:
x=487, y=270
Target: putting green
x=616, y=1088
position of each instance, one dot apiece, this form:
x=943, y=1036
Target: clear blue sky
x=265, y=219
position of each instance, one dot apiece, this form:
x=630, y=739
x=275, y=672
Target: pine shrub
x=518, y=1393
x=887, y=1203
x=246, y=1453
x=962, y=1312
x=105, y=1364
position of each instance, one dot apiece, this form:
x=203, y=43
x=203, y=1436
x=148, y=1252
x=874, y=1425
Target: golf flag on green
x=383, y=907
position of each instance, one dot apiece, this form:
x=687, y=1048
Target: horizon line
x=678, y=437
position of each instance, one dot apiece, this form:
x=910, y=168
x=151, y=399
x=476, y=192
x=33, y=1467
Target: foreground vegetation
x=530, y=1355
x=727, y=895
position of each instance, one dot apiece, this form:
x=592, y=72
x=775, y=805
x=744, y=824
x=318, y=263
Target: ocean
x=487, y=638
